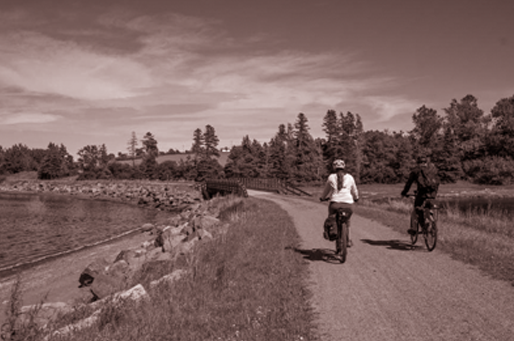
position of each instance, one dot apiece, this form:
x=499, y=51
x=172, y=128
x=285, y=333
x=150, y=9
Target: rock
x=147, y=227
x=205, y=222
x=168, y=279
x=99, y=266
x=105, y=285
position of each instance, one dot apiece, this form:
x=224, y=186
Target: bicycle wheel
x=344, y=242
x=414, y=237
x=430, y=234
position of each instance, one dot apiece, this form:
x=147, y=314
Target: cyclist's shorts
x=334, y=206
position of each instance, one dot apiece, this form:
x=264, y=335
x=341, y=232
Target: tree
x=210, y=142
x=198, y=143
x=306, y=161
x=427, y=125
x=150, y=145
x=501, y=140
x=132, y=146
x=56, y=163
x=468, y=125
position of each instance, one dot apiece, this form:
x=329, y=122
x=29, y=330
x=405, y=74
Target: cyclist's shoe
x=411, y=232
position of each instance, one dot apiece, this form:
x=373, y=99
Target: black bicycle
x=428, y=227
x=343, y=215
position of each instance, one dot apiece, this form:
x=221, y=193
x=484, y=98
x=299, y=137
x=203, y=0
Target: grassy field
x=247, y=285
x=483, y=239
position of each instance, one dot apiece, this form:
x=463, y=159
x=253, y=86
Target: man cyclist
x=342, y=191
x=425, y=176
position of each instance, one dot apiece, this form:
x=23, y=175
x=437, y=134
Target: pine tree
x=132, y=147
x=210, y=141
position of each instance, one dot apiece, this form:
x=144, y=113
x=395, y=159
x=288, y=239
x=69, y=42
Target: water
x=485, y=205
x=37, y=226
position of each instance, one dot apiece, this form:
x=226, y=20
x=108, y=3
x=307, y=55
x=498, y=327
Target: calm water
x=504, y=205
x=35, y=226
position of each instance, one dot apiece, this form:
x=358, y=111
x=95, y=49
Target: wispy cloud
x=28, y=118
x=180, y=74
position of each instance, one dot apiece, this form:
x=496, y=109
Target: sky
x=92, y=72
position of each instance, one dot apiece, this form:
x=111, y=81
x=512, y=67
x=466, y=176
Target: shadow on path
x=325, y=255
x=393, y=244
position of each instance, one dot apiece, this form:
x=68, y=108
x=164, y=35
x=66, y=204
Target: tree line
x=464, y=144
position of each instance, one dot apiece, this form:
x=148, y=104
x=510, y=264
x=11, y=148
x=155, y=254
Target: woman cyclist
x=341, y=190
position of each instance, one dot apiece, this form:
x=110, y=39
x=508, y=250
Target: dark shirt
x=422, y=192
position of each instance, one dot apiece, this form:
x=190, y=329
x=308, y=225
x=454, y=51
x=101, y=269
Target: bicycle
x=428, y=227
x=343, y=215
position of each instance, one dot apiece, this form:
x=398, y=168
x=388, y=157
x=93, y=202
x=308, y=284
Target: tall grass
x=480, y=237
x=249, y=285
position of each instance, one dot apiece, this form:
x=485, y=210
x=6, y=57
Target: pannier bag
x=330, y=227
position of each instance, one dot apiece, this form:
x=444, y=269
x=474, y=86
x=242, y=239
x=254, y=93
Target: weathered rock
x=168, y=279
x=105, y=285
x=147, y=227
x=98, y=266
x=205, y=222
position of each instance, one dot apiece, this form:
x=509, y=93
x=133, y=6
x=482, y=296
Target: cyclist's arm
x=411, y=179
x=327, y=191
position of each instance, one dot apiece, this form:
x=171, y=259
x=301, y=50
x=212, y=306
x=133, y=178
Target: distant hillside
x=177, y=157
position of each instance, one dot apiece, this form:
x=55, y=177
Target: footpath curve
x=386, y=291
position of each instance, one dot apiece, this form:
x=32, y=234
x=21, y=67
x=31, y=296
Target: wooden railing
x=212, y=187
x=238, y=186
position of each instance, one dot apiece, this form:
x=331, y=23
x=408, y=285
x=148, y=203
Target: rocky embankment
x=157, y=195
x=106, y=283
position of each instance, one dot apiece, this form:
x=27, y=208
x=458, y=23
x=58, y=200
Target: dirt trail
x=386, y=291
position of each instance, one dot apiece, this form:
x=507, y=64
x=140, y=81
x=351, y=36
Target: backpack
x=428, y=179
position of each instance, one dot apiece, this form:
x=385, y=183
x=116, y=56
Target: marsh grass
x=480, y=237
x=248, y=285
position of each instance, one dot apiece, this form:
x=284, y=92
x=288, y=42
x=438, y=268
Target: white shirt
x=348, y=194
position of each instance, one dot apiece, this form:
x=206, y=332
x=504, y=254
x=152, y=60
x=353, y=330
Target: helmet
x=338, y=164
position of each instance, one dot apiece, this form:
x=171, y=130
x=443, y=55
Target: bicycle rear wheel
x=342, y=240
x=414, y=237
x=430, y=234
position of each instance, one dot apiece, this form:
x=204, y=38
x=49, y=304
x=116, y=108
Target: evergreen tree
x=306, y=159
x=132, y=146
x=198, y=143
x=210, y=141
x=150, y=145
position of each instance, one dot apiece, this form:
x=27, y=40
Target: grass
x=247, y=285
x=475, y=237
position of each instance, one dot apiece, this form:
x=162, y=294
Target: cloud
x=40, y=64
x=387, y=107
x=30, y=118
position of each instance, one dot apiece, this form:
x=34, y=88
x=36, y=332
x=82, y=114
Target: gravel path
x=386, y=291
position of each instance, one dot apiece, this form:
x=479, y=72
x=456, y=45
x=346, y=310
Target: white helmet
x=338, y=164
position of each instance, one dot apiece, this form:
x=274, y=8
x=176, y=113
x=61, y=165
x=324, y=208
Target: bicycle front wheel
x=430, y=234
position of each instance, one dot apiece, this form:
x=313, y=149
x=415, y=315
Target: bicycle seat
x=345, y=212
